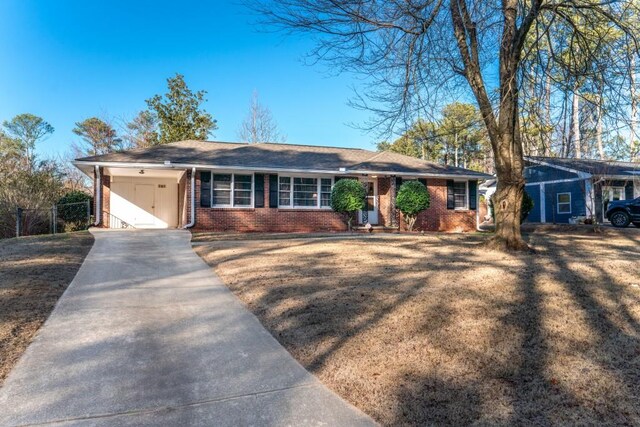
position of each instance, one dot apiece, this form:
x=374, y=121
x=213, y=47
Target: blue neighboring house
x=572, y=188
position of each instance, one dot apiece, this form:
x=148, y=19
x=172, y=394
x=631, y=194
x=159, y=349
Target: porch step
x=377, y=229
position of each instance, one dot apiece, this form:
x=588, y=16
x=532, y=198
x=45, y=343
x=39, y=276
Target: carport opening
x=145, y=198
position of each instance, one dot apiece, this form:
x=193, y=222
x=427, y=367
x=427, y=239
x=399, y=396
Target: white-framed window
x=563, y=203
x=305, y=192
x=231, y=190
x=461, y=195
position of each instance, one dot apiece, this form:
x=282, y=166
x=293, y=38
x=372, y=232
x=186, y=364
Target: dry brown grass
x=34, y=272
x=435, y=330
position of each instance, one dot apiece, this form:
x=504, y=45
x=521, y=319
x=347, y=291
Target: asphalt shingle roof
x=281, y=156
x=592, y=166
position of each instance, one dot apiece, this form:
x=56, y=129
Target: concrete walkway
x=146, y=334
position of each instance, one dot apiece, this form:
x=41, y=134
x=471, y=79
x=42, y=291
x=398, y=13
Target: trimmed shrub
x=72, y=210
x=413, y=198
x=525, y=209
x=348, y=197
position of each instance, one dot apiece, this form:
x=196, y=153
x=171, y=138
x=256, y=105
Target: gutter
x=98, y=195
x=347, y=172
x=193, y=199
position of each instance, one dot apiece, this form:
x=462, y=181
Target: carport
x=138, y=196
x=144, y=198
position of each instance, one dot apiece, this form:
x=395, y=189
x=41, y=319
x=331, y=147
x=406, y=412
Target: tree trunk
x=564, y=150
x=503, y=131
x=599, y=130
x=547, y=116
x=575, y=124
x=507, y=143
x=456, y=150
x=634, y=144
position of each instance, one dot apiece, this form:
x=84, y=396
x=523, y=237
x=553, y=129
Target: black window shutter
x=450, y=199
x=273, y=191
x=205, y=189
x=628, y=190
x=423, y=181
x=398, y=183
x=258, y=190
x=473, y=195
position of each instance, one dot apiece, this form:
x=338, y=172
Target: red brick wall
x=384, y=201
x=188, y=197
x=265, y=219
x=105, y=181
x=437, y=217
x=182, y=199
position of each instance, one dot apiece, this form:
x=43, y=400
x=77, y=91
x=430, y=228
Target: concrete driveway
x=146, y=334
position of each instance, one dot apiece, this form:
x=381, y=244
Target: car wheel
x=620, y=219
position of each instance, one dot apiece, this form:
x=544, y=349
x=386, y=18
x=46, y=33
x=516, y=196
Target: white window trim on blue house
x=558, y=203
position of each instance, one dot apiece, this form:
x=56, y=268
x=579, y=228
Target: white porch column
x=543, y=203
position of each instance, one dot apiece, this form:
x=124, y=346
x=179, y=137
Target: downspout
x=98, y=195
x=193, y=199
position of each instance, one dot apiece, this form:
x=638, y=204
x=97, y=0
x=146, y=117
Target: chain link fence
x=60, y=218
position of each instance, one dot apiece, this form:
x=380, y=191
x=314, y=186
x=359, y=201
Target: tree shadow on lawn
x=436, y=330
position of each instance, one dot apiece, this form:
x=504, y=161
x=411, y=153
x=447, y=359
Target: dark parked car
x=623, y=212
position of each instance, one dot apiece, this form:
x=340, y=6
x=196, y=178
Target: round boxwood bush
x=526, y=207
x=72, y=210
x=413, y=198
x=348, y=197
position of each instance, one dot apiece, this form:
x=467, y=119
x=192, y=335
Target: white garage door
x=145, y=202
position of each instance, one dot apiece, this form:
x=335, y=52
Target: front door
x=371, y=214
x=144, y=199
x=609, y=194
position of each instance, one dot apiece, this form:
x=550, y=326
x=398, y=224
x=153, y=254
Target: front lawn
x=34, y=272
x=434, y=329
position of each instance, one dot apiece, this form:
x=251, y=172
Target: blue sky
x=68, y=60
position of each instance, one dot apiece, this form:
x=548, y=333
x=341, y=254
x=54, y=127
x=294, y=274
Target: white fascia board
x=411, y=174
x=619, y=177
x=563, y=168
x=556, y=181
x=78, y=164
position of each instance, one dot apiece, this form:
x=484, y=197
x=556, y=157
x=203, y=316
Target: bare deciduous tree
x=416, y=53
x=259, y=124
x=142, y=130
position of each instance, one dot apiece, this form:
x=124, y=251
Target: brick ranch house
x=222, y=186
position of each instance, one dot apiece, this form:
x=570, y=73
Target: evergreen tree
x=97, y=137
x=180, y=114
